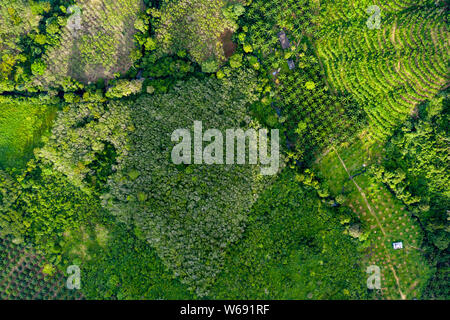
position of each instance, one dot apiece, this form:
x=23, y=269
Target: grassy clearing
x=22, y=122
x=404, y=272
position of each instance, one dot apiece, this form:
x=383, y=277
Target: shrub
x=38, y=67
x=124, y=88
x=209, y=66
x=236, y=61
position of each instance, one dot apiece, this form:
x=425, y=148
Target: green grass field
x=22, y=122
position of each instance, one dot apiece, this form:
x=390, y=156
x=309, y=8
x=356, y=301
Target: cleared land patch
x=97, y=46
x=24, y=275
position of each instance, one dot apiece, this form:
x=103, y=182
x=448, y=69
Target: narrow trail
x=323, y=155
x=363, y=195
x=361, y=192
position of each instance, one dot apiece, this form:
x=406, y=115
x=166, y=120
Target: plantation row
x=316, y=117
x=340, y=11
x=391, y=70
x=396, y=34
x=310, y=116
x=23, y=275
x=403, y=270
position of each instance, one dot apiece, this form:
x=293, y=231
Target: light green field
x=22, y=121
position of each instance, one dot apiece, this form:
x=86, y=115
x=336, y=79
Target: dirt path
x=372, y=212
x=361, y=192
x=392, y=37
x=321, y=156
